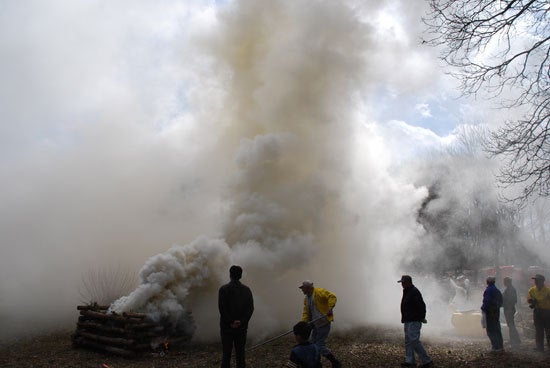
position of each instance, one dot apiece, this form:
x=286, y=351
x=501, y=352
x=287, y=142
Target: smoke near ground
x=182, y=138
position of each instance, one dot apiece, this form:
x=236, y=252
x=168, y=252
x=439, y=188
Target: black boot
x=335, y=362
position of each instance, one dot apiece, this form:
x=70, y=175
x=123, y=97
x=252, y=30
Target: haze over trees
x=503, y=48
x=466, y=225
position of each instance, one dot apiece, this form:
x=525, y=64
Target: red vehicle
x=518, y=276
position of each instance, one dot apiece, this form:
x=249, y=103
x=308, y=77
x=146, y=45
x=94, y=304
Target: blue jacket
x=492, y=299
x=305, y=355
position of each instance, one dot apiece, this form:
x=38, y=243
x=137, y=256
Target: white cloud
x=423, y=109
x=404, y=141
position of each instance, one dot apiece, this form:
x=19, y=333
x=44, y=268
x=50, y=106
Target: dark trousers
x=230, y=338
x=541, y=317
x=512, y=330
x=493, y=330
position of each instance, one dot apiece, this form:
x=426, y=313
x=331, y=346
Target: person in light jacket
x=318, y=306
x=539, y=301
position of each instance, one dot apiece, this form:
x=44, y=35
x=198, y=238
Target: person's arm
x=293, y=361
x=486, y=299
x=331, y=299
x=305, y=314
x=453, y=283
x=222, y=306
x=419, y=304
x=249, y=305
x=530, y=297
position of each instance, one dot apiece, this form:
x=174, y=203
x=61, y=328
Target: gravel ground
x=362, y=347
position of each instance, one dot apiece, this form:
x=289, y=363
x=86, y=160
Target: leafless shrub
x=105, y=285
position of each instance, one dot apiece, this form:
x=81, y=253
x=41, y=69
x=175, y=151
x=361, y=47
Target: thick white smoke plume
x=167, y=279
x=301, y=202
x=245, y=131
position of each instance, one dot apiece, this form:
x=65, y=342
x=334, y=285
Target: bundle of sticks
x=126, y=334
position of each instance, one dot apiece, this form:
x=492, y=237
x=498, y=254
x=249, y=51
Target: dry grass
x=364, y=347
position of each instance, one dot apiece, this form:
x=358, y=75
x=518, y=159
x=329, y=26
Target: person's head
x=307, y=287
x=406, y=281
x=491, y=280
x=539, y=280
x=302, y=331
x=235, y=272
x=507, y=281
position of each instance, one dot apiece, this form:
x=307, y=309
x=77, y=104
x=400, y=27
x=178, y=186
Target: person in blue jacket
x=492, y=302
x=305, y=354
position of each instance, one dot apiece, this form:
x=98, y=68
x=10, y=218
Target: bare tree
x=470, y=140
x=536, y=219
x=503, y=48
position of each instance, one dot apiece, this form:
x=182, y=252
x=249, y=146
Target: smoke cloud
x=300, y=201
x=239, y=132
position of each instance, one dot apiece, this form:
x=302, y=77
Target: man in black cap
x=236, y=306
x=413, y=314
x=538, y=298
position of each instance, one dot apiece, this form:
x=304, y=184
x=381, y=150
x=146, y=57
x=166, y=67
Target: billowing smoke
x=167, y=280
x=245, y=132
x=301, y=203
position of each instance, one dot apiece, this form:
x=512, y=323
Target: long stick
x=281, y=335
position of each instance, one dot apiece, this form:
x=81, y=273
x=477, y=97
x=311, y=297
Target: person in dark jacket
x=413, y=314
x=236, y=306
x=492, y=302
x=305, y=354
x=509, y=300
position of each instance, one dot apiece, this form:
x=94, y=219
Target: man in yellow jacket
x=318, y=305
x=538, y=298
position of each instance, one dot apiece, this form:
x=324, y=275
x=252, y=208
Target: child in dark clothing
x=305, y=354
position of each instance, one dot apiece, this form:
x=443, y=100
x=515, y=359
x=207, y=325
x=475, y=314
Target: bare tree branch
x=503, y=46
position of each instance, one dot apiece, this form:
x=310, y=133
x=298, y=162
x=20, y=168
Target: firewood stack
x=127, y=334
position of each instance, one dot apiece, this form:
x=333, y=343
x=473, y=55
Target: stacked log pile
x=127, y=334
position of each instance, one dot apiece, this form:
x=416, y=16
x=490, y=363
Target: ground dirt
x=361, y=347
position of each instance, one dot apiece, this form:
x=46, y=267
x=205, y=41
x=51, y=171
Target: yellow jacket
x=542, y=296
x=324, y=301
